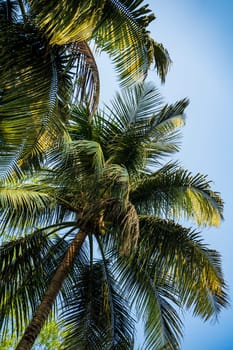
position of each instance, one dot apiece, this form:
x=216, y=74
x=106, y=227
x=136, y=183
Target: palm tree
x=97, y=232
x=46, y=65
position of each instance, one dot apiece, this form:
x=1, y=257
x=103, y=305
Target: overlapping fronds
x=31, y=95
x=155, y=299
x=136, y=131
x=118, y=27
x=27, y=265
x=173, y=191
x=121, y=32
x=180, y=254
x=23, y=279
x=25, y=203
x=8, y=11
x=142, y=129
x=96, y=315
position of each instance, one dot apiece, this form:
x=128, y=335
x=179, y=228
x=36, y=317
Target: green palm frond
x=24, y=203
x=33, y=90
x=118, y=27
x=159, y=55
x=137, y=131
x=27, y=265
x=96, y=315
x=173, y=191
x=68, y=21
x=115, y=181
x=121, y=227
x=181, y=255
x=23, y=280
x=135, y=104
x=156, y=300
x=140, y=130
x=122, y=34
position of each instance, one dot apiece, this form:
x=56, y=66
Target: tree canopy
x=107, y=187
x=92, y=215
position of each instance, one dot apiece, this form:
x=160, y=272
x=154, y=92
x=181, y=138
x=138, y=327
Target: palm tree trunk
x=43, y=310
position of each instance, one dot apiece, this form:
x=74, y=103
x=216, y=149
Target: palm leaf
x=34, y=91
x=118, y=27
x=8, y=11
x=155, y=300
x=180, y=254
x=27, y=266
x=140, y=130
x=24, y=203
x=23, y=280
x=96, y=315
x=172, y=191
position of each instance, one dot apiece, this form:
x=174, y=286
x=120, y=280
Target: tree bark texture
x=43, y=310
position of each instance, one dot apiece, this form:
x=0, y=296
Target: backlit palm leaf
x=155, y=299
x=118, y=27
x=25, y=203
x=173, y=192
x=181, y=255
x=27, y=265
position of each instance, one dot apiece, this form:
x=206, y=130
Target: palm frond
x=118, y=27
x=122, y=34
x=33, y=90
x=137, y=131
x=27, y=266
x=173, y=191
x=181, y=255
x=68, y=21
x=8, y=11
x=96, y=315
x=140, y=130
x=155, y=299
x=24, y=203
x=23, y=280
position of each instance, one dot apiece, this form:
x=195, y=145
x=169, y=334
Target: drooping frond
x=79, y=160
x=179, y=254
x=122, y=34
x=23, y=279
x=155, y=299
x=27, y=265
x=96, y=315
x=118, y=27
x=122, y=227
x=86, y=80
x=68, y=21
x=33, y=91
x=173, y=191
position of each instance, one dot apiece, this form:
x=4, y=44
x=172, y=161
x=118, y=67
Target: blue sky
x=198, y=35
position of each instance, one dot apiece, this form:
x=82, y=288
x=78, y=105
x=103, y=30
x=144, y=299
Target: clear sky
x=199, y=37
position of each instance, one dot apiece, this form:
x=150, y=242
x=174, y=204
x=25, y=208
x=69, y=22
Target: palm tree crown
x=106, y=189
